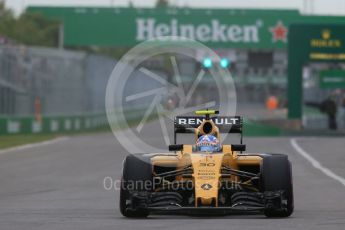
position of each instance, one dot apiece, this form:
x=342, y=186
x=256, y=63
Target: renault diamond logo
x=206, y=186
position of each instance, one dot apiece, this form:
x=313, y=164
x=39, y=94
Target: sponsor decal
x=325, y=41
x=36, y=127
x=206, y=186
x=198, y=120
x=203, y=164
x=279, y=32
x=13, y=126
x=213, y=31
x=54, y=125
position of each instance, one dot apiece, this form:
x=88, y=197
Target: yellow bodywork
x=207, y=176
x=207, y=169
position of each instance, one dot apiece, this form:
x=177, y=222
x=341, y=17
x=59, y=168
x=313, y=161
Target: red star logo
x=279, y=32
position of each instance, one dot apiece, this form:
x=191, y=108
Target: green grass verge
x=255, y=129
x=8, y=141
x=16, y=140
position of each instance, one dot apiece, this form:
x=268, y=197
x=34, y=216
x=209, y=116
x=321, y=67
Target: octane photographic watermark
x=138, y=92
x=110, y=184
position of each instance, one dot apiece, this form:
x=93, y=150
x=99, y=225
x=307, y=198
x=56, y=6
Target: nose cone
x=206, y=177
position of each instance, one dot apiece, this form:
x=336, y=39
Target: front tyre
x=137, y=170
x=276, y=175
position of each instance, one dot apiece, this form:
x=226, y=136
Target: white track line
x=316, y=163
x=34, y=145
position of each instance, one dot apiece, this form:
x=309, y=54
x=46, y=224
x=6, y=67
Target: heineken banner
x=215, y=28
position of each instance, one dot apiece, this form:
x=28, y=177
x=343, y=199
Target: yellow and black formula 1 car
x=190, y=180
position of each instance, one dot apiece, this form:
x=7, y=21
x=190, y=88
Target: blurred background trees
x=34, y=29
x=28, y=28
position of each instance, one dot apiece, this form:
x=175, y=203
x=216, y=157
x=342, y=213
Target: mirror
x=175, y=147
x=238, y=148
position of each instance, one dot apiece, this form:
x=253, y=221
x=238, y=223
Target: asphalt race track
x=60, y=186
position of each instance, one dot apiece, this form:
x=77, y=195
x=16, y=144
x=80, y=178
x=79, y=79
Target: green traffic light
x=224, y=63
x=207, y=63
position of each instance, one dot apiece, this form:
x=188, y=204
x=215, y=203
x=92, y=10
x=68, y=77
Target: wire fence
x=70, y=83
x=67, y=89
x=65, y=82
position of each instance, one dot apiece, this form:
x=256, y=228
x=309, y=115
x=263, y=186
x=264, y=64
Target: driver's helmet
x=208, y=143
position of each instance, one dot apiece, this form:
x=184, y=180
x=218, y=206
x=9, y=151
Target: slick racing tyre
x=137, y=170
x=276, y=175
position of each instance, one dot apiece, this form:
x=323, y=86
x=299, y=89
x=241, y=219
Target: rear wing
x=225, y=124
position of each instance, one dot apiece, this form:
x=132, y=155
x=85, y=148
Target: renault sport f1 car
x=207, y=177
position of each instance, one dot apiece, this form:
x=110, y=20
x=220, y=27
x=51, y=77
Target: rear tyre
x=137, y=170
x=276, y=175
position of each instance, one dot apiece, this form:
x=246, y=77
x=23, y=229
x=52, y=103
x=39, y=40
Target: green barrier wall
x=51, y=124
x=254, y=128
x=63, y=124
